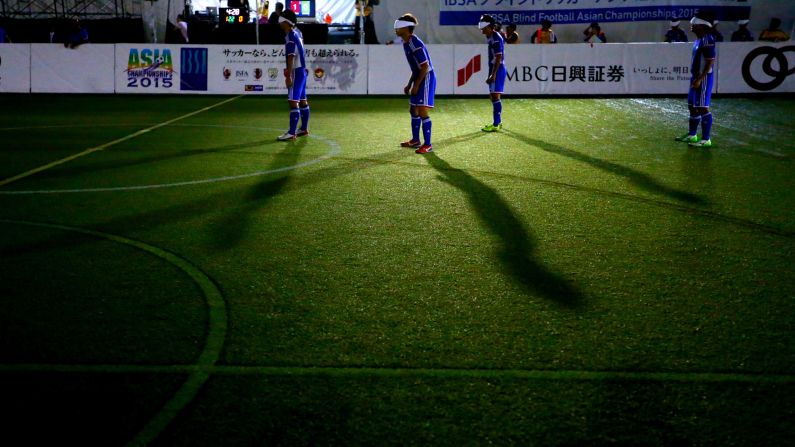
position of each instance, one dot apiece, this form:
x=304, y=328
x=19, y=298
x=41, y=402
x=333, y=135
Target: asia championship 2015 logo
x=150, y=68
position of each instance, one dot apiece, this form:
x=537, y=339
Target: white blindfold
x=403, y=24
x=697, y=21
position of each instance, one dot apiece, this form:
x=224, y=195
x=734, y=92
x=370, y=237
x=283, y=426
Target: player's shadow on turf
x=460, y=138
x=516, y=243
x=235, y=224
x=95, y=167
x=637, y=178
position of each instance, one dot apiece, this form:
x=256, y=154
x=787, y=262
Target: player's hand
x=415, y=89
x=696, y=83
x=286, y=73
x=490, y=80
x=407, y=89
x=288, y=81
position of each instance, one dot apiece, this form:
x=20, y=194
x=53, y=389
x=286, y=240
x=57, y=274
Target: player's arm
x=700, y=78
x=420, y=77
x=288, y=72
x=493, y=74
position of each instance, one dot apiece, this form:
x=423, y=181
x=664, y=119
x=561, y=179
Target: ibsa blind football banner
x=756, y=67
x=15, y=68
x=573, y=69
x=85, y=69
x=531, y=12
x=333, y=69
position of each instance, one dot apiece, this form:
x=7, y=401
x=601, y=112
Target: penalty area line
x=109, y=144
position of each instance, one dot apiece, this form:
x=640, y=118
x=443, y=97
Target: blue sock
x=497, y=106
x=295, y=114
x=426, y=131
x=694, y=120
x=706, y=126
x=304, y=118
x=416, y=121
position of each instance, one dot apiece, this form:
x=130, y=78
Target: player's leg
x=426, y=96
x=416, y=122
x=293, y=98
x=303, y=109
x=424, y=113
x=695, y=119
x=702, y=110
x=496, y=90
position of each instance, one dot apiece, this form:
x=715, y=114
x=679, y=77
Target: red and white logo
x=464, y=74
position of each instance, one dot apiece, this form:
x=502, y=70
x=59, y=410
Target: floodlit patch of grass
x=581, y=239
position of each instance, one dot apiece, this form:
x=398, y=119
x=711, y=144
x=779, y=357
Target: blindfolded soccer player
x=294, y=77
x=497, y=72
x=701, y=82
x=421, y=86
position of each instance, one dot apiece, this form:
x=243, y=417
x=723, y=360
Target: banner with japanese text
x=333, y=69
x=85, y=69
x=15, y=68
x=575, y=69
x=756, y=67
x=526, y=12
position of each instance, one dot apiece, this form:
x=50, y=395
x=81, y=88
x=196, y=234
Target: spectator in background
x=182, y=27
x=274, y=34
x=544, y=34
x=743, y=34
x=369, y=25
x=594, y=34
x=511, y=36
x=773, y=32
x=77, y=34
x=3, y=34
x=715, y=33
x=675, y=34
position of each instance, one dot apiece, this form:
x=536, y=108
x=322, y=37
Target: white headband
x=743, y=22
x=282, y=19
x=482, y=25
x=675, y=23
x=403, y=24
x=697, y=21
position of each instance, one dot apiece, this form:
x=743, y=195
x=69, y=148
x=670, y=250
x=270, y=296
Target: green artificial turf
x=576, y=279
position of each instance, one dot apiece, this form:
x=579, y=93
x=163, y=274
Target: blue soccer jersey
x=496, y=46
x=417, y=54
x=294, y=45
x=703, y=50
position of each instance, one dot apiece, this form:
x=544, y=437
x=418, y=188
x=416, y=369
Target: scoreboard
x=232, y=16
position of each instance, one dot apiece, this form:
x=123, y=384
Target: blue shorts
x=298, y=90
x=498, y=86
x=426, y=92
x=702, y=96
